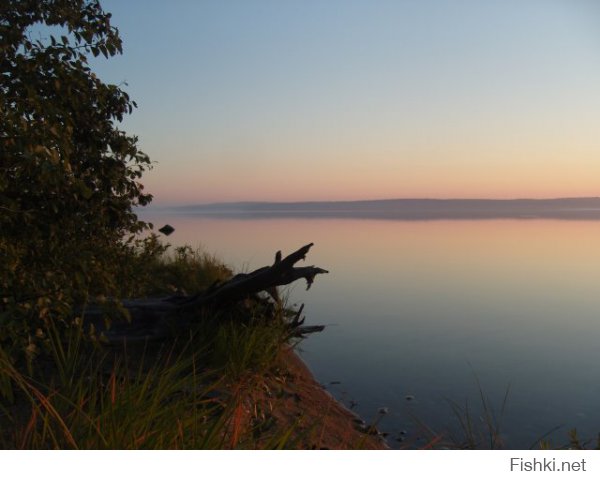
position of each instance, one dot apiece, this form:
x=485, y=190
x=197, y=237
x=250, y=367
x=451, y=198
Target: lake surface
x=421, y=313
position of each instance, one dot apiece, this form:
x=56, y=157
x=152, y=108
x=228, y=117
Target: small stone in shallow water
x=409, y=398
x=403, y=432
x=167, y=229
x=383, y=410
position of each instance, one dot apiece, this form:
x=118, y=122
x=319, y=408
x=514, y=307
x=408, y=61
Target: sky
x=282, y=100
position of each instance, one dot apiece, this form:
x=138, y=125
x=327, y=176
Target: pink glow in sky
x=336, y=100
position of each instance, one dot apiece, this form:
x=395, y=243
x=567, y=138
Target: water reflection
x=420, y=308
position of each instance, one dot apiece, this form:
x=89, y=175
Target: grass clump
x=157, y=269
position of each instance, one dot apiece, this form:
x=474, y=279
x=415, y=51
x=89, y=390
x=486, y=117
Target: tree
x=69, y=177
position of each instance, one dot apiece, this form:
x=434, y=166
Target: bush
x=69, y=177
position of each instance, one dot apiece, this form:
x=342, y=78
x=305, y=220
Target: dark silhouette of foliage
x=69, y=177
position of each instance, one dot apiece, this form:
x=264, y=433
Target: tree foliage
x=69, y=177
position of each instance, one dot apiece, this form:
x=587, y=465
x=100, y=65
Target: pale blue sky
x=298, y=100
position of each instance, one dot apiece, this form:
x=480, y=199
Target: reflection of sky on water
x=420, y=308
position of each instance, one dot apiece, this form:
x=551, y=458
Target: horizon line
x=439, y=199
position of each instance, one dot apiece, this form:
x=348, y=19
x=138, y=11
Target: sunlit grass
x=168, y=399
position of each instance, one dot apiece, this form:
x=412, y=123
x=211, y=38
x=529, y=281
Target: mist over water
x=418, y=311
x=585, y=208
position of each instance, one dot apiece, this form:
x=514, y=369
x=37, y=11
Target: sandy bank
x=294, y=400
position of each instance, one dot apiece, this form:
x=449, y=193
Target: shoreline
x=305, y=403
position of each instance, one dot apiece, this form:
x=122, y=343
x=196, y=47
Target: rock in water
x=167, y=230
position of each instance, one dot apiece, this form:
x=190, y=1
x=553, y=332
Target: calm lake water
x=419, y=312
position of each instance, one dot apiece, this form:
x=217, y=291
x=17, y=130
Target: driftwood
x=157, y=318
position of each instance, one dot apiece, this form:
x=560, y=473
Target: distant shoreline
x=587, y=208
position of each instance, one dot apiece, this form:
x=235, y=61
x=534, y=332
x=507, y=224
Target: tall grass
x=170, y=399
x=479, y=425
x=482, y=430
x=190, y=392
x=574, y=443
x=158, y=269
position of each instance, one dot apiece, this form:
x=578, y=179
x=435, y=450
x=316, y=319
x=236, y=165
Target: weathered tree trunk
x=157, y=318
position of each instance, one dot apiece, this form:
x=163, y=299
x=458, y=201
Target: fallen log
x=149, y=319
